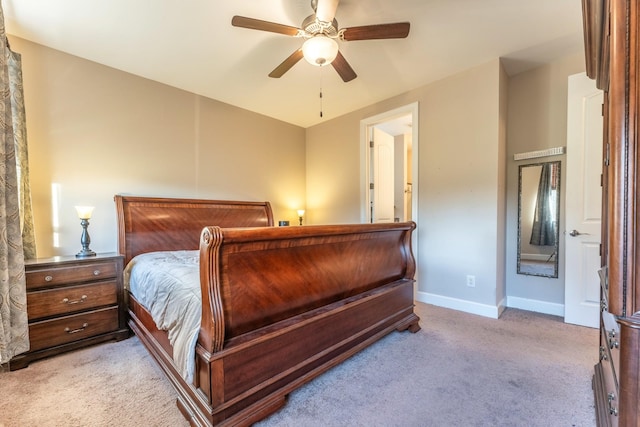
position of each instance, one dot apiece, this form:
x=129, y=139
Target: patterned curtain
x=20, y=139
x=543, y=232
x=14, y=332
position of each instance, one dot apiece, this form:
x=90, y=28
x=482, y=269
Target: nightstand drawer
x=68, y=275
x=52, y=302
x=62, y=330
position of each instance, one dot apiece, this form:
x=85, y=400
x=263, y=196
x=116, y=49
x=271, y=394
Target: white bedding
x=167, y=284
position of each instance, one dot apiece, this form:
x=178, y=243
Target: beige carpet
x=524, y=369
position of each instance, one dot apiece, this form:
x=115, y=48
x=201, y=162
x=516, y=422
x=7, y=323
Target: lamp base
x=85, y=253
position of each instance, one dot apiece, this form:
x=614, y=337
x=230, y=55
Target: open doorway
x=389, y=166
x=400, y=126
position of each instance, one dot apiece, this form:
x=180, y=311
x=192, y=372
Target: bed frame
x=281, y=305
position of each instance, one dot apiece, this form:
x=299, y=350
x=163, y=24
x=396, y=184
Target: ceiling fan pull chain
x=321, y=91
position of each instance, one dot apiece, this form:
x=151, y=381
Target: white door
x=583, y=202
x=382, y=199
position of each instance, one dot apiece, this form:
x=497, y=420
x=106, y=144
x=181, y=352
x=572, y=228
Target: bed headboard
x=147, y=224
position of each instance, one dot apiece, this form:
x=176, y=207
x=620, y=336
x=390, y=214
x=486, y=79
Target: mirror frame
x=557, y=242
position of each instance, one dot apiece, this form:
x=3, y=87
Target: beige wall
x=537, y=120
x=333, y=171
x=94, y=131
x=460, y=169
x=460, y=163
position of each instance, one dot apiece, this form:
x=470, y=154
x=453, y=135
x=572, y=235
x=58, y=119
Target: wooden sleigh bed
x=280, y=305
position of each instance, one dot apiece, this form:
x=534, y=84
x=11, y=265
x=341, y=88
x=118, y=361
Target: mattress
x=167, y=284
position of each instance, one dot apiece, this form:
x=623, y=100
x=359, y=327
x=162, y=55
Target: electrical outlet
x=471, y=281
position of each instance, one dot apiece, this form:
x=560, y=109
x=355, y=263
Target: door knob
x=574, y=233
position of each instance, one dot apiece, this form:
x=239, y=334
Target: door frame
x=365, y=172
x=365, y=153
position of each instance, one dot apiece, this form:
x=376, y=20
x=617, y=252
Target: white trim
x=539, y=153
x=493, y=312
x=461, y=305
x=544, y=307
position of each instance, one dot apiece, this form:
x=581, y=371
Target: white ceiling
x=190, y=44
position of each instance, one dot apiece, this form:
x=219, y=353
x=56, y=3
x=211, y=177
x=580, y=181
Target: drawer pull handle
x=96, y=272
x=83, y=298
x=73, y=331
x=48, y=278
x=603, y=354
x=611, y=397
x=603, y=305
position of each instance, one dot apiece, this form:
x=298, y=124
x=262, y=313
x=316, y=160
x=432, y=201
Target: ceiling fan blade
x=326, y=10
x=398, y=30
x=286, y=64
x=257, y=24
x=343, y=68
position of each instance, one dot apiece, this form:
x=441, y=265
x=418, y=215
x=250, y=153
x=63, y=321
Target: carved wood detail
x=211, y=336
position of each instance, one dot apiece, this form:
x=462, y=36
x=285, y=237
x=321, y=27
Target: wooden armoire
x=612, y=47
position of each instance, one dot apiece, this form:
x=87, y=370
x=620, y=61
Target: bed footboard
x=283, y=305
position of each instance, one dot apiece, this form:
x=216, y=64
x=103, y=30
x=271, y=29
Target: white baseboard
x=488, y=310
x=544, y=307
x=461, y=305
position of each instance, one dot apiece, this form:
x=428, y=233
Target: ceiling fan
x=321, y=33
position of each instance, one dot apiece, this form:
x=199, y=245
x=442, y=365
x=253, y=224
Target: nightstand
x=72, y=303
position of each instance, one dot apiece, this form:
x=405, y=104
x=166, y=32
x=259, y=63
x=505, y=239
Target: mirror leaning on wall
x=538, y=219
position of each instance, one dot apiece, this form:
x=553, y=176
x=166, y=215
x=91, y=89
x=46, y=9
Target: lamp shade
x=300, y=212
x=84, y=212
x=320, y=50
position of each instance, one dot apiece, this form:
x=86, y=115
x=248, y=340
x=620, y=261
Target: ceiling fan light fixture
x=320, y=50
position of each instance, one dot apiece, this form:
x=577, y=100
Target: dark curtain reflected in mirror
x=538, y=219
